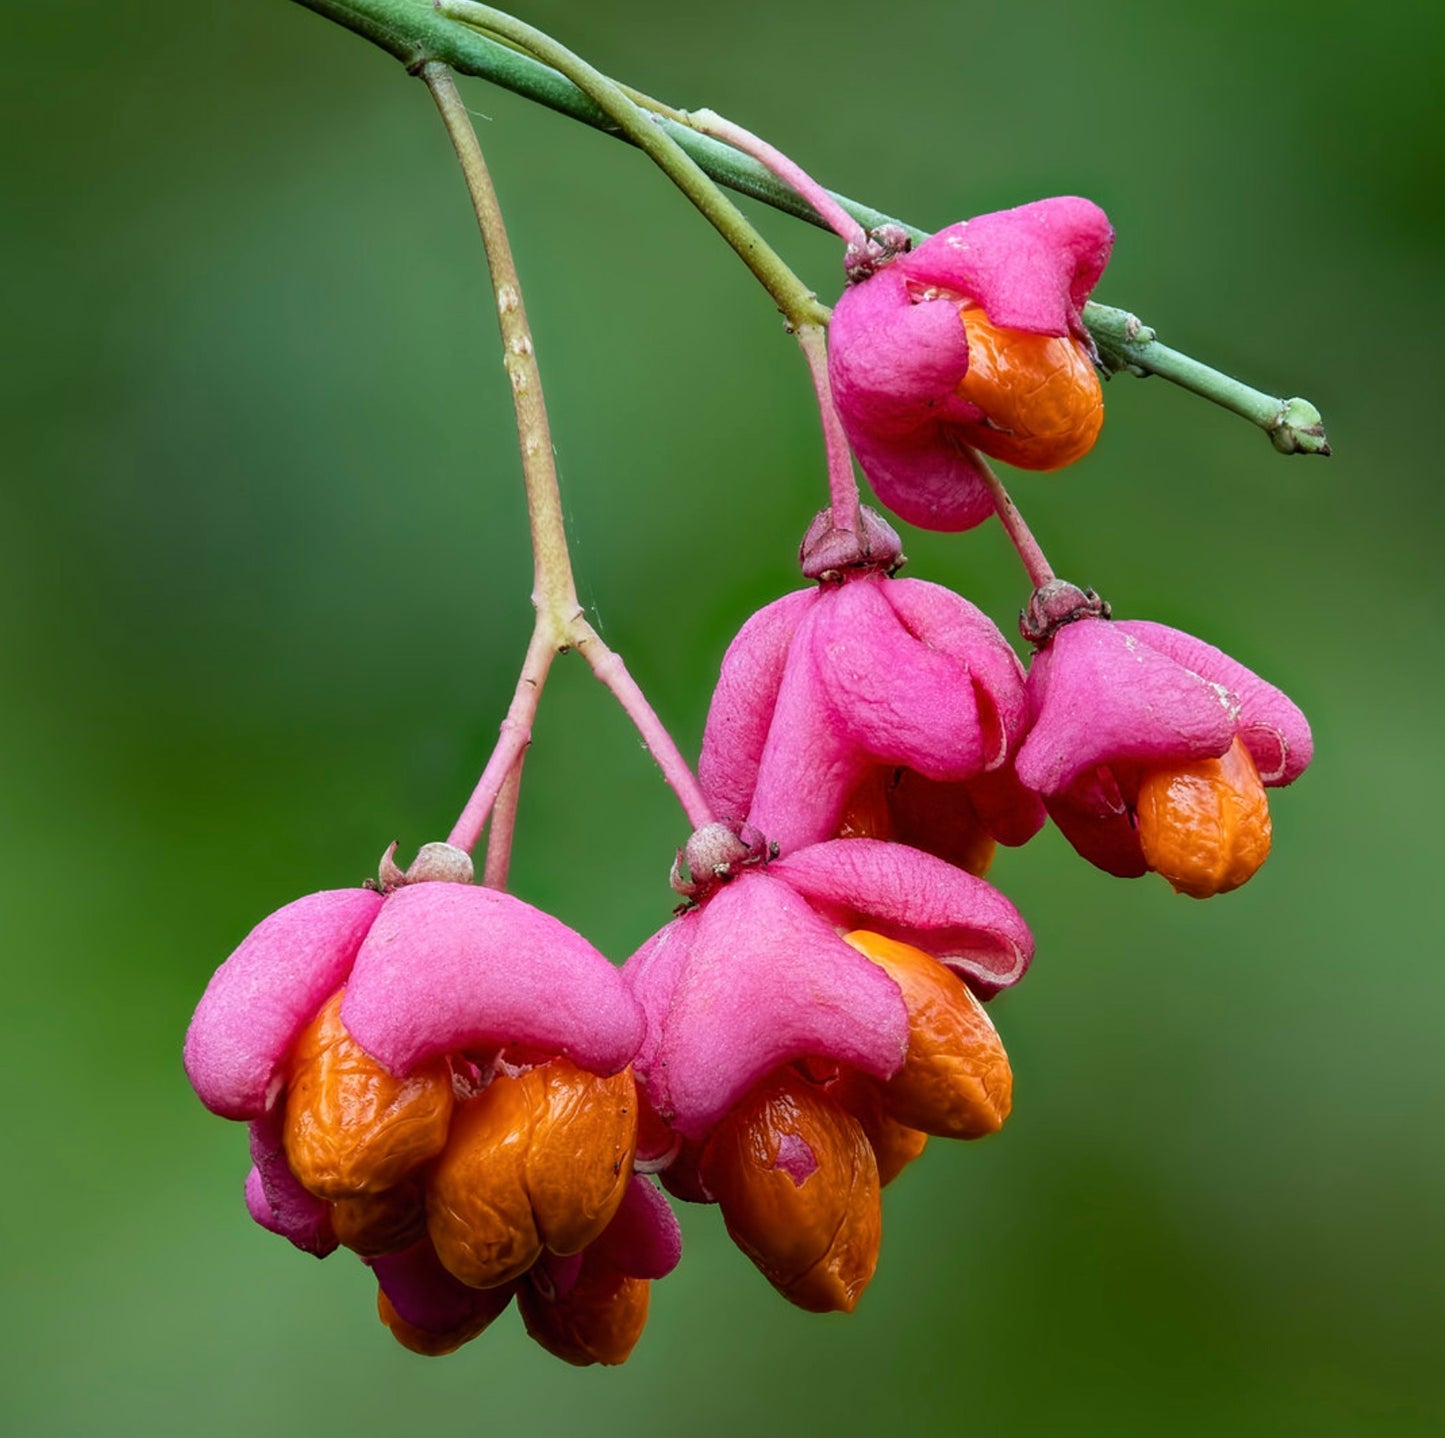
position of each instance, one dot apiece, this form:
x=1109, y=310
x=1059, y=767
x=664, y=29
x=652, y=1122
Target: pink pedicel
x=1114, y=700
x=899, y=353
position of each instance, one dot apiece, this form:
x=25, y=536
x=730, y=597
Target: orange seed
x=599, y=1320
x=1205, y=826
x=900, y=805
x=1041, y=396
x=542, y=1159
x=955, y=1081
x=894, y=1145
x=350, y=1126
x=435, y=1345
x=375, y=1223
x=797, y=1183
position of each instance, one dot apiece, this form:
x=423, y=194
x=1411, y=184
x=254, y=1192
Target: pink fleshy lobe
x=930, y=477
x=425, y=1294
x=742, y=703
x=894, y=367
x=449, y=966
x=1101, y=695
x=898, y=351
x=262, y=996
x=895, y=362
x=275, y=1197
x=1098, y=820
x=1004, y=807
x=1114, y=699
x=1032, y=268
x=761, y=981
x=878, y=672
x=653, y=975
x=643, y=1239
x=1274, y=729
x=555, y=1275
x=917, y=899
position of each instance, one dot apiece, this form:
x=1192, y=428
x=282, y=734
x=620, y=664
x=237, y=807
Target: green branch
x=415, y=33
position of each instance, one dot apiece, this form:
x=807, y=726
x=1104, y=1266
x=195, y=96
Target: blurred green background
x=265, y=588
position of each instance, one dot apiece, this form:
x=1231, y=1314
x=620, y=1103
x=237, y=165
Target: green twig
x=415, y=33
x=1294, y=426
x=793, y=297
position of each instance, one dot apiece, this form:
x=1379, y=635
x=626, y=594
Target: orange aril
x=1041, y=398
x=1205, y=826
x=538, y=1160
x=955, y=1081
x=351, y=1127
x=435, y=1344
x=900, y=805
x=939, y=818
x=797, y=1183
x=598, y=1320
x=894, y=1144
x=375, y=1223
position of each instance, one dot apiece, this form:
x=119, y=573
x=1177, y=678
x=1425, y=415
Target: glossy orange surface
x=350, y=1126
x=538, y=1160
x=376, y=1223
x=1205, y=826
x=436, y=1345
x=797, y=1183
x=599, y=1320
x=955, y=1081
x=894, y=1144
x=1040, y=395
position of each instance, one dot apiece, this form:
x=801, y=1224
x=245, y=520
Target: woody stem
x=560, y=624
x=1039, y=570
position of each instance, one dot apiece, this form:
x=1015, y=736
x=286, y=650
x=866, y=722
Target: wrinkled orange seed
x=478, y=1213
x=894, y=1145
x=1040, y=394
x=538, y=1160
x=375, y=1223
x=797, y=1183
x=598, y=1320
x=955, y=1081
x=580, y=1160
x=350, y=1127
x=1205, y=826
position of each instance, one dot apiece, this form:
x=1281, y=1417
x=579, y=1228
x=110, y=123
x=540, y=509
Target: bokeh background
x=265, y=588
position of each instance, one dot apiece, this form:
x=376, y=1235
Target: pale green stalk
x=414, y=32
x=560, y=624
